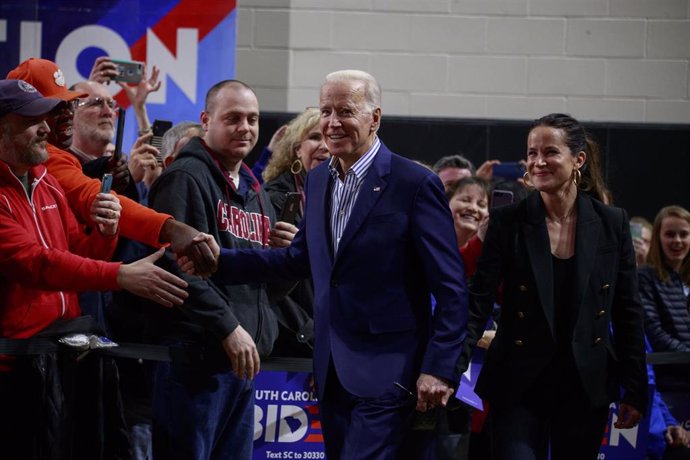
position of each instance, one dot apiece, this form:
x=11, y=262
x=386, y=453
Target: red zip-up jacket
x=43, y=255
x=137, y=222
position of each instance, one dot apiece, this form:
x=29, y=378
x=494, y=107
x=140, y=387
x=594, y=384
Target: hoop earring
x=296, y=167
x=525, y=179
x=577, y=177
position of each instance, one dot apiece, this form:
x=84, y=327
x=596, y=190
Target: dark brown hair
x=578, y=140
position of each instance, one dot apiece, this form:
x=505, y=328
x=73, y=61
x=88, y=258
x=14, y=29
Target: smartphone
x=291, y=208
x=119, y=133
x=106, y=183
x=501, y=198
x=128, y=71
x=636, y=230
x=511, y=170
x=159, y=128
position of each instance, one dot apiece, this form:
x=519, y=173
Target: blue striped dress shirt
x=344, y=192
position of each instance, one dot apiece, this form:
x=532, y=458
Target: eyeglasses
x=98, y=102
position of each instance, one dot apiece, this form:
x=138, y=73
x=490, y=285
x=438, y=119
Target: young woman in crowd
x=469, y=204
x=567, y=269
x=664, y=292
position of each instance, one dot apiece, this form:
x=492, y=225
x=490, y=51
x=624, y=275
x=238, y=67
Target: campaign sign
x=286, y=417
x=192, y=43
x=629, y=444
x=465, y=392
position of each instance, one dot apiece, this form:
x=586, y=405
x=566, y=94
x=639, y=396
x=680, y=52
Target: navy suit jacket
x=372, y=310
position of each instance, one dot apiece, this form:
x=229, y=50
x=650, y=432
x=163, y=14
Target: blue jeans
x=201, y=413
x=140, y=441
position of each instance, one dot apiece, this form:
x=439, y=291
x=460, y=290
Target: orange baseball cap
x=46, y=77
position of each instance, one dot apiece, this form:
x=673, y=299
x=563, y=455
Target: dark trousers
x=555, y=416
x=201, y=414
x=356, y=428
x=55, y=407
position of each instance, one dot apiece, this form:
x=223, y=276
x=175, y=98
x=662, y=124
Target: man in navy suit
x=377, y=237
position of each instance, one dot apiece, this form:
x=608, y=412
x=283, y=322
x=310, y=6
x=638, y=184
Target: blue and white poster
x=629, y=444
x=286, y=417
x=191, y=42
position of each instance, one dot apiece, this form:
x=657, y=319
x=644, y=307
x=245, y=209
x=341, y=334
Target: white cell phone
x=636, y=230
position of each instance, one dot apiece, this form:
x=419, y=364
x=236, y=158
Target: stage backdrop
x=192, y=43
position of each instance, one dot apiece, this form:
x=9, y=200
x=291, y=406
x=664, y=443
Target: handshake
x=201, y=255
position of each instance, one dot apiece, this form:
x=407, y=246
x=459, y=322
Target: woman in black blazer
x=570, y=333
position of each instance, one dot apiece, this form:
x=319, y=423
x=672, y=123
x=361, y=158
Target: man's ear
x=204, y=120
x=376, y=120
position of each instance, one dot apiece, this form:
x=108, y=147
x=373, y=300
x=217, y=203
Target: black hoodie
x=197, y=192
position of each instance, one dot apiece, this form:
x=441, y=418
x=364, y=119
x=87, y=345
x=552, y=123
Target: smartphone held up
x=158, y=129
x=512, y=170
x=291, y=208
x=501, y=198
x=128, y=71
x=106, y=183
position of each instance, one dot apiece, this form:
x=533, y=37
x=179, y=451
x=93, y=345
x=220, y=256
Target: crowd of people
x=386, y=272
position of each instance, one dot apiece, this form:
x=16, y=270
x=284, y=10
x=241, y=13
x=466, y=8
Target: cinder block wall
x=603, y=60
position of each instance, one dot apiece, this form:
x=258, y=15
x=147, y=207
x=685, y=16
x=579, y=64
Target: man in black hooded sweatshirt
x=204, y=399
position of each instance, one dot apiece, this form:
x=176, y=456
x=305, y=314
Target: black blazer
x=517, y=254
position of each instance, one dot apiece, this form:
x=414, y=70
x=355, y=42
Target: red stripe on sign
x=316, y=425
x=187, y=14
x=314, y=438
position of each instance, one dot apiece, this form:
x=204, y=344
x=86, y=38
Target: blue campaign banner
x=193, y=46
x=629, y=444
x=286, y=417
x=465, y=392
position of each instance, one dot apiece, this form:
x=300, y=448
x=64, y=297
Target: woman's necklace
x=563, y=218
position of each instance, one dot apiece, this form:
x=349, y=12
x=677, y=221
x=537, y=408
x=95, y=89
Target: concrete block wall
x=600, y=60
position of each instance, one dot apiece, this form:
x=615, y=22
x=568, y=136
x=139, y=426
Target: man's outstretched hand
x=145, y=279
x=202, y=253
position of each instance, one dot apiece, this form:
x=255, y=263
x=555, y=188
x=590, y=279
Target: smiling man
x=377, y=237
x=137, y=222
x=45, y=259
x=204, y=409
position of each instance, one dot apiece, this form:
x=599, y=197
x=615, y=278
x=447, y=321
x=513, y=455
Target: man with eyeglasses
x=94, y=120
x=94, y=129
x=137, y=222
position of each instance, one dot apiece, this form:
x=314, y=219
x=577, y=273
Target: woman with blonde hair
x=663, y=284
x=301, y=149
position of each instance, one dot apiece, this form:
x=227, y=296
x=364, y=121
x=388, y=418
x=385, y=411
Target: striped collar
x=361, y=166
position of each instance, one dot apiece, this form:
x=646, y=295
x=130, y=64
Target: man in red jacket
x=137, y=222
x=43, y=263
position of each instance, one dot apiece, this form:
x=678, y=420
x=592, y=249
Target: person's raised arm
x=137, y=95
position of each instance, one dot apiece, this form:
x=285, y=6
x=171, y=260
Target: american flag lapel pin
x=377, y=189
